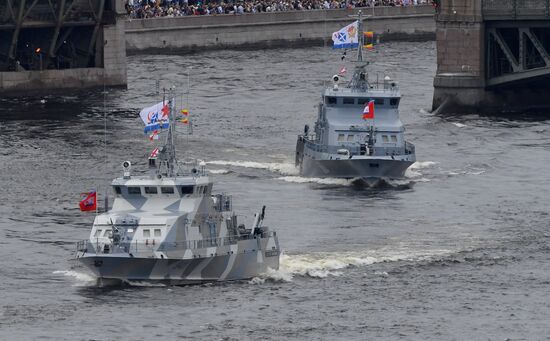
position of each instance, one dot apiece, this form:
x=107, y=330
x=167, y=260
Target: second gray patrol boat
x=168, y=227
x=347, y=144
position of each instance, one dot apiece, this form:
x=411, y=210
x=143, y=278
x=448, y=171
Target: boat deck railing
x=150, y=245
x=355, y=149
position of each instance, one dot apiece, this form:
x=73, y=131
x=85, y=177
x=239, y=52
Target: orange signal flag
x=184, y=120
x=185, y=112
x=369, y=40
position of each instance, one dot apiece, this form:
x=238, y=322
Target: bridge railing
x=516, y=9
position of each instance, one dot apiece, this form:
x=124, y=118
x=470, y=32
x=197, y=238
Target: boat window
x=146, y=233
x=108, y=233
x=157, y=233
x=394, y=102
x=341, y=137
x=186, y=190
x=117, y=189
x=373, y=165
x=151, y=190
x=349, y=100
x=377, y=101
x=97, y=233
x=385, y=138
x=205, y=190
x=134, y=190
x=199, y=190
x=331, y=100
x=167, y=190
x=351, y=137
x=394, y=138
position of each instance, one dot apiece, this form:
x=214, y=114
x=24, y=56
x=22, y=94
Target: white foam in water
x=144, y=284
x=219, y=171
x=414, y=170
x=277, y=167
x=423, y=164
x=460, y=125
x=322, y=181
x=322, y=265
x=82, y=278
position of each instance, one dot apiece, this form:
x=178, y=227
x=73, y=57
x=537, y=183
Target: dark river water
x=459, y=250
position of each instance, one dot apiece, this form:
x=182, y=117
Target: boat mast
x=171, y=161
x=167, y=154
x=360, y=37
x=359, y=79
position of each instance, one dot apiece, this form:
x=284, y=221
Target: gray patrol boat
x=346, y=145
x=168, y=227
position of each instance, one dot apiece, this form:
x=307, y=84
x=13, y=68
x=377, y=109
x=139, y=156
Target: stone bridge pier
x=61, y=44
x=493, y=56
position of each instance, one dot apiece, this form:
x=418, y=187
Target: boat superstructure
x=352, y=139
x=168, y=226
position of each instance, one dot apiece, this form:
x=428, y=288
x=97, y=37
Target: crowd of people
x=140, y=9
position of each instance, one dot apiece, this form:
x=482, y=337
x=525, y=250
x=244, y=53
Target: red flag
x=368, y=112
x=154, y=153
x=165, y=111
x=89, y=201
x=342, y=70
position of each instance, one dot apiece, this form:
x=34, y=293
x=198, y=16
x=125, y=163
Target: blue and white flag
x=347, y=37
x=155, y=117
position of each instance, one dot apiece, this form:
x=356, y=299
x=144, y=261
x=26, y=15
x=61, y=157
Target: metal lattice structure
x=52, y=34
x=517, y=39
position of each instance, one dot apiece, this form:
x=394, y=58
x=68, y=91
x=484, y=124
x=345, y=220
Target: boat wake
x=321, y=181
x=275, y=167
x=219, y=171
x=414, y=172
x=324, y=264
x=290, y=173
x=81, y=279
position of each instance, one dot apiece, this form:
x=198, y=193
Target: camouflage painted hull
x=234, y=262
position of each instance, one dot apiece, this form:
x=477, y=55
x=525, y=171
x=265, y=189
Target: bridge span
x=492, y=56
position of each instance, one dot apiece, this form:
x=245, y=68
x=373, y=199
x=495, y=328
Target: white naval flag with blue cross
x=347, y=37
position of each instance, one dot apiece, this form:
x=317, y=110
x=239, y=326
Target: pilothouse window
x=394, y=138
x=134, y=190
x=341, y=137
x=157, y=233
x=151, y=190
x=331, y=100
x=97, y=233
x=351, y=137
x=385, y=138
x=377, y=101
x=146, y=233
x=167, y=190
x=349, y=100
x=117, y=190
x=186, y=190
